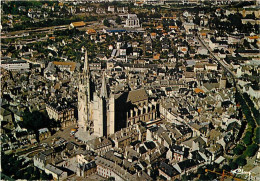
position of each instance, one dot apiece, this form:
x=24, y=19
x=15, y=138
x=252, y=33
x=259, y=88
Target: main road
x=217, y=59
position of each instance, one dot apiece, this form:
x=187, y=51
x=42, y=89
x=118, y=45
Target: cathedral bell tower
x=104, y=111
x=84, y=97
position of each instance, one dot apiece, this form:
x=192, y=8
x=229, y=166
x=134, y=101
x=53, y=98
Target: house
x=156, y=56
x=222, y=54
x=251, y=21
x=202, y=51
x=254, y=91
x=199, y=67
x=91, y=32
x=6, y=147
x=56, y=173
x=173, y=27
x=214, y=44
x=101, y=56
x=186, y=166
x=137, y=52
x=135, y=44
x=86, y=169
x=100, y=11
x=165, y=47
x=69, y=66
x=95, y=66
x=111, y=9
x=77, y=24
x=6, y=118
x=106, y=168
x=185, y=131
x=99, y=145
x=139, y=3
x=211, y=67
x=122, y=9
x=189, y=26
x=15, y=64
x=21, y=135
x=128, y=135
x=44, y=133
x=89, y=9
x=177, y=153
x=168, y=171
x=249, y=53
x=110, y=64
x=159, y=28
x=252, y=38
x=183, y=49
x=122, y=51
x=189, y=76
x=62, y=113
x=110, y=47
x=43, y=158
x=153, y=35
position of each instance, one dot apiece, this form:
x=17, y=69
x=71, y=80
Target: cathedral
x=102, y=111
x=96, y=110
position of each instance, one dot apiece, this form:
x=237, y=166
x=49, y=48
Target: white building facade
x=132, y=21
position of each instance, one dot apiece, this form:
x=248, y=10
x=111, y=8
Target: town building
x=63, y=114
x=132, y=21
x=14, y=64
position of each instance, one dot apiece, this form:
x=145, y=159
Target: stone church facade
x=102, y=112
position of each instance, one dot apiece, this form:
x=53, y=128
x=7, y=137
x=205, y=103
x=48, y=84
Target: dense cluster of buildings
x=160, y=104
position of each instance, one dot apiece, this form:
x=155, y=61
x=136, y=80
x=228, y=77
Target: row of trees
x=234, y=23
x=12, y=6
x=250, y=141
x=252, y=106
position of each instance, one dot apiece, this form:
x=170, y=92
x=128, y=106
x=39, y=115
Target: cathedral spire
x=104, y=87
x=86, y=66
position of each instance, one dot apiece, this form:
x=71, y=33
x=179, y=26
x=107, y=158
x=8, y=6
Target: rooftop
x=137, y=95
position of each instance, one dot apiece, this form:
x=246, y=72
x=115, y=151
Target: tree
x=238, y=150
x=226, y=167
x=201, y=170
x=233, y=165
x=235, y=20
x=251, y=150
x=257, y=135
x=241, y=161
x=204, y=177
x=248, y=138
x=106, y=23
x=118, y=20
